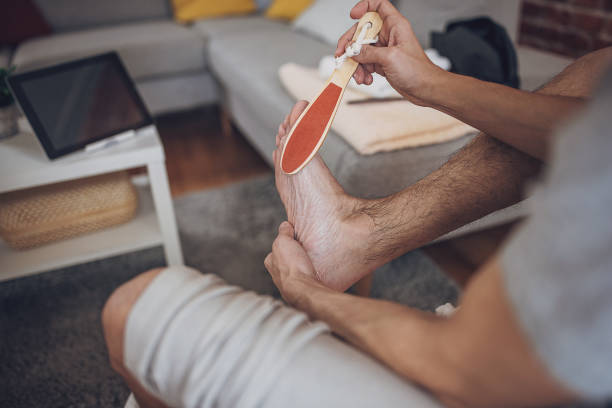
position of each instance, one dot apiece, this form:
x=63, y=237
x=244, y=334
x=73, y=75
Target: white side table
x=23, y=164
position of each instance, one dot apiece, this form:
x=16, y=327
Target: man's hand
x=289, y=265
x=524, y=120
x=398, y=56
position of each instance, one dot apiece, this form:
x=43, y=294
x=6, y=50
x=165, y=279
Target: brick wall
x=568, y=27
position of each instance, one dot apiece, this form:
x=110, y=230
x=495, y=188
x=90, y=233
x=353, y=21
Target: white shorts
x=194, y=341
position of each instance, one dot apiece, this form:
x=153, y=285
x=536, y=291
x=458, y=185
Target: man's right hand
x=398, y=56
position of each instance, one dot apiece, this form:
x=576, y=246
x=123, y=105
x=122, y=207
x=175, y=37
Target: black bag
x=479, y=48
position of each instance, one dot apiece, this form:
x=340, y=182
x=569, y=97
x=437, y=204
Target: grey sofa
x=234, y=61
x=167, y=60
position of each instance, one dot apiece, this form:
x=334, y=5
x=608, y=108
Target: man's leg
x=114, y=319
x=181, y=338
x=485, y=176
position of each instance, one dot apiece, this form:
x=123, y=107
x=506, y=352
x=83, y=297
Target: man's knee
x=580, y=77
x=116, y=311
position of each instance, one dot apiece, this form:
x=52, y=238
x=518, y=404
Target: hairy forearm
x=524, y=120
x=485, y=176
x=407, y=340
x=478, y=357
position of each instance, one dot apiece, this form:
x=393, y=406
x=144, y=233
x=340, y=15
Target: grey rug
x=51, y=348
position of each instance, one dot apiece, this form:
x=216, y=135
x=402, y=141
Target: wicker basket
x=40, y=215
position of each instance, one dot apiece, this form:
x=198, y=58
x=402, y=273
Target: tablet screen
x=74, y=104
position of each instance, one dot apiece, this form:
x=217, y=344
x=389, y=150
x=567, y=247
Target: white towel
x=376, y=127
x=380, y=87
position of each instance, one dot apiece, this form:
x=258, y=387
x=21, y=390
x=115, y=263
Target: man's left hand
x=289, y=265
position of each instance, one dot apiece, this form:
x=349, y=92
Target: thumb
x=372, y=55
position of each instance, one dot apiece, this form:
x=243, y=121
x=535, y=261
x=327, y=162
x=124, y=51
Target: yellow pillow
x=287, y=9
x=189, y=10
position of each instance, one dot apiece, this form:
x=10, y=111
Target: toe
x=282, y=142
x=297, y=111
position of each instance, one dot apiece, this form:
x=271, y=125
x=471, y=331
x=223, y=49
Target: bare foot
x=326, y=220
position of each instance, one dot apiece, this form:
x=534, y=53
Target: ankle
x=370, y=234
x=358, y=227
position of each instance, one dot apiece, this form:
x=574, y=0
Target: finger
x=359, y=74
x=378, y=69
x=344, y=40
x=382, y=7
x=372, y=55
x=286, y=229
x=360, y=9
x=369, y=67
x=368, y=79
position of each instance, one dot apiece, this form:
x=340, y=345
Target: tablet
x=73, y=104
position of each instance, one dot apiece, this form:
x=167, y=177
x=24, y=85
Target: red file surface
x=311, y=129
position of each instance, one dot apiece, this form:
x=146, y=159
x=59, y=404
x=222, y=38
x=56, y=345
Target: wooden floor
x=199, y=156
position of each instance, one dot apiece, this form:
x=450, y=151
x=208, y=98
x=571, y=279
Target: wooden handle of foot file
x=309, y=131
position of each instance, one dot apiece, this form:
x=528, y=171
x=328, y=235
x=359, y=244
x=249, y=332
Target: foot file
x=307, y=135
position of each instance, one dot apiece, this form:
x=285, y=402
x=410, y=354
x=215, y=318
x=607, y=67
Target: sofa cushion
x=249, y=63
x=326, y=19
x=287, y=9
x=187, y=11
x=221, y=27
x=433, y=15
x=179, y=92
x=262, y=5
x=67, y=15
x=148, y=49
